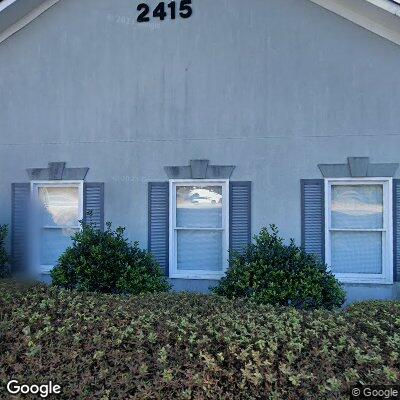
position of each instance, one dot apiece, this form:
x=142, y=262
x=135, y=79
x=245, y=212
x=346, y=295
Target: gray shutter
x=313, y=216
x=396, y=229
x=158, y=229
x=20, y=199
x=239, y=215
x=93, y=205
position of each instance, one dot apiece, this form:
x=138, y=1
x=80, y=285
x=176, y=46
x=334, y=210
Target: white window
x=199, y=229
x=358, y=229
x=58, y=210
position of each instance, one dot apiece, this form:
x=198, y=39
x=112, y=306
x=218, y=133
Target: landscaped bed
x=185, y=346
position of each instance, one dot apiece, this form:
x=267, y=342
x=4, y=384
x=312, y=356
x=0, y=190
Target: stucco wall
x=273, y=87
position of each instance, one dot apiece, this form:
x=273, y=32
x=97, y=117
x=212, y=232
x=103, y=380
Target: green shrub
x=185, y=346
x=270, y=272
x=106, y=262
x=4, y=260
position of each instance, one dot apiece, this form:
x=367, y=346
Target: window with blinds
x=199, y=229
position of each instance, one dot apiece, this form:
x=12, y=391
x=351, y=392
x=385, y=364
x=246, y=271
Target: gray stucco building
x=196, y=131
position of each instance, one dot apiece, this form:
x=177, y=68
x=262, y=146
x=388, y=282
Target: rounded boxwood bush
x=270, y=272
x=106, y=262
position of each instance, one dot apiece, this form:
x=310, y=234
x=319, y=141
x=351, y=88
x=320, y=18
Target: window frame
x=386, y=277
x=35, y=238
x=174, y=273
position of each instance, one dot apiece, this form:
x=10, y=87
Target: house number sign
x=172, y=10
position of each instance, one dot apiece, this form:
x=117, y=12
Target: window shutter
x=313, y=216
x=93, y=205
x=158, y=229
x=239, y=215
x=20, y=200
x=396, y=229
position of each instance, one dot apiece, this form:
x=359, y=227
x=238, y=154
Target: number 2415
x=185, y=10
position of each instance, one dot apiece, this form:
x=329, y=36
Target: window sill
x=45, y=270
x=362, y=280
x=215, y=277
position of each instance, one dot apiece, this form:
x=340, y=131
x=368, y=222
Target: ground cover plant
x=107, y=262
x=268, y=271
x=187, y=346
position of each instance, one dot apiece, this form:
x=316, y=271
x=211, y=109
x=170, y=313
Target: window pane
x=198, y=250
x=199, y=207
x=357, y=207
x=54, y=242
x=357, y=252
x=59, y=206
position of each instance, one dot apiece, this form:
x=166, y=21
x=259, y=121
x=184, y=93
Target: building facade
x=200, y=125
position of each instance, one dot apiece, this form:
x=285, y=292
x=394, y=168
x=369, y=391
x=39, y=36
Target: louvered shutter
x=93, y=205
x=20, y=203
x=239, y=215
x=313, y=216
x=396, y=229
x=158, y=229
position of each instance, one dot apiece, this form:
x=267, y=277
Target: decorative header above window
x=358, y=167
x=200, y=169
x=56, y=171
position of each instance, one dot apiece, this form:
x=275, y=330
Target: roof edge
x=25, y=18
x=378, y=16
x=389, y=5
x=5, y=3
